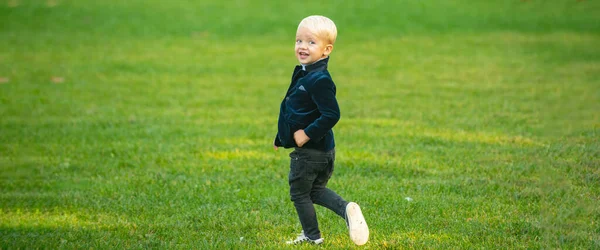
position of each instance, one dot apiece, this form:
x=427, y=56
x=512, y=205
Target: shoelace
x=301, y=238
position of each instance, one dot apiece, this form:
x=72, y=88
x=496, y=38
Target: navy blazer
x=309, y=104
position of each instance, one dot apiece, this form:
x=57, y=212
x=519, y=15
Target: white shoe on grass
x=357, y=226
x=302, y=238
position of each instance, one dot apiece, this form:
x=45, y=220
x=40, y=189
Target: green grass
x=148, y=124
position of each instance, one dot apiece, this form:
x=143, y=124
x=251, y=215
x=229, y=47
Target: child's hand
x=275, y=147
x=301, y=138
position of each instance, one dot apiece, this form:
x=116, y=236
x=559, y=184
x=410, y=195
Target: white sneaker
x=357, y=226
x=302, y=238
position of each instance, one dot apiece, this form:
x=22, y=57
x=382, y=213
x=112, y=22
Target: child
x=307, y=114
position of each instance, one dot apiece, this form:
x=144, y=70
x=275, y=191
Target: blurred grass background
x=148, y=124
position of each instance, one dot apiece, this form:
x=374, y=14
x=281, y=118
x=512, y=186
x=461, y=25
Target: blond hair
x=320, y=26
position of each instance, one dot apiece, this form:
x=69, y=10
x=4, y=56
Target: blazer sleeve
x=277, y=142
x=323, y=94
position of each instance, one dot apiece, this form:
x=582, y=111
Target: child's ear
x=328, y=49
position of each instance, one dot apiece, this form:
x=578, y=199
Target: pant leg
x=301, y=178
x=324, y=196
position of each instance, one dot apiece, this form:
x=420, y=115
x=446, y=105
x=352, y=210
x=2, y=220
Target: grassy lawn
x=149, y=124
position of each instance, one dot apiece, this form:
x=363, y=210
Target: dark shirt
x=309, y=104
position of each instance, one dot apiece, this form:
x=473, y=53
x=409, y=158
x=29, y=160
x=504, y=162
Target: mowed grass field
x=149, y=124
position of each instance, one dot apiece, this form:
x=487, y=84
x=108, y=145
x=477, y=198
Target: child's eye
x=298, y=41
x=312, y=42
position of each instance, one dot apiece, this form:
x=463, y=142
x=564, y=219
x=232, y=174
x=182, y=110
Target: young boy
x=306, y=118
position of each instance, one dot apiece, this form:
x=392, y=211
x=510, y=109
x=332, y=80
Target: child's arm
x=323, y=94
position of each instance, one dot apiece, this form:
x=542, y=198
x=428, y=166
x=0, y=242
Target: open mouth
x=303, y=54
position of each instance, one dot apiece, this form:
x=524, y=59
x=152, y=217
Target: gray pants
x=310, y=171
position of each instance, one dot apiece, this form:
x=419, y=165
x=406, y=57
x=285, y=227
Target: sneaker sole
x=359, y=231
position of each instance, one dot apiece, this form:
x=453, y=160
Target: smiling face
x=310, y=47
